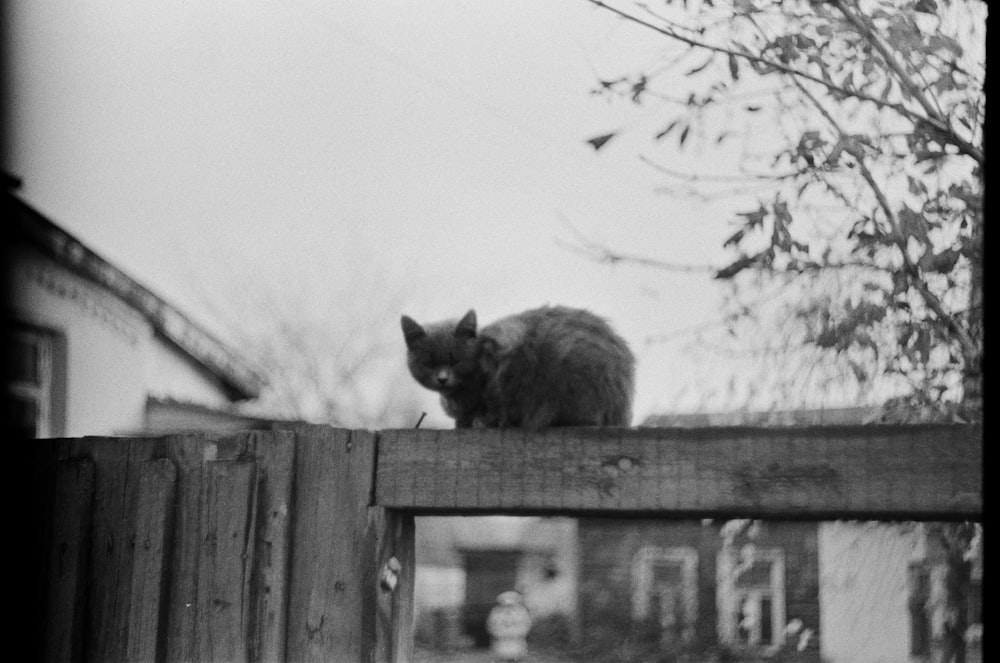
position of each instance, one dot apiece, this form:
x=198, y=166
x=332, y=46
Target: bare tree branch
x=594, y=251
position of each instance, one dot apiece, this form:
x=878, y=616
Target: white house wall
x=174, y=375
x=112, y=358
x=863, y=591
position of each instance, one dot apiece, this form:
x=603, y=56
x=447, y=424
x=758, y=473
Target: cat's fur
x=550, y=366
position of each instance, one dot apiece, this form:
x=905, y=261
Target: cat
x=549, y=366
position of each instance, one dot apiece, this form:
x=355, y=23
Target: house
x=837, y=591
x=686, y=586
x=91, y=351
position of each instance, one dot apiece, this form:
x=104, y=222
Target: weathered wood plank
x=226, y=557
x=331, y=580
x=67, y=560
x=931, y=472
x=188, y=453
x=147, y=617
x=116, y=478
x=275, y=455
x=395, y=565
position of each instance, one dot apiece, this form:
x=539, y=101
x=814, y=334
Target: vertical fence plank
x=116, y=469
x=225, y=560
x=275, y=455
x=67, y=560
x=395, y=564
x=109, y=542
x=154, y=520
x=332, y=560
x=188, y=454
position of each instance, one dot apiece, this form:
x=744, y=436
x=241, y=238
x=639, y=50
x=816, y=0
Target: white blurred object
x=508, y=625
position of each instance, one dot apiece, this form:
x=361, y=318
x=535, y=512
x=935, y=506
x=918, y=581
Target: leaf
x=943, y=262
x=670, y=127
x=926, y=6
x=598, y=142
x=860, y=374
x=755, y=218
x=638, y=88
x=734, y=67
x=916, y=186
x=736, y=237
x=736, y=267
x=752, y=109
x=684, y=135
x=912, y=224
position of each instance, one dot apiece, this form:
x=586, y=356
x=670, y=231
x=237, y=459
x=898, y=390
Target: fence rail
x=276, y=545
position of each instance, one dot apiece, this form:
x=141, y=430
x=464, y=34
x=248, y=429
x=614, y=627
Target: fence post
x=336, y=540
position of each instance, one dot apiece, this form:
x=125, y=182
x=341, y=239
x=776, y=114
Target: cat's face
x=443, y=356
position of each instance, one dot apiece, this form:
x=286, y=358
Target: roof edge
x=244, y=381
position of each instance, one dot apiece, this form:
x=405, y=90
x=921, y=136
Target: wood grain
x=154, y=524
x=914, y=472
x=332, y=566
x=226, y=556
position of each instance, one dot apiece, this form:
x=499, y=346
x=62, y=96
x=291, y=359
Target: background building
x=93, y=352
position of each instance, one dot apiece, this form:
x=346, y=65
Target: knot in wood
x=618, y=465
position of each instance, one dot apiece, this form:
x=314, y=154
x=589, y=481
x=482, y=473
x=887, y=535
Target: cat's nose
x=442, y=379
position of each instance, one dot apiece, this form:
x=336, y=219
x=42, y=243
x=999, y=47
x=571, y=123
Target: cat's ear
x=466, y=327
x=411, y=330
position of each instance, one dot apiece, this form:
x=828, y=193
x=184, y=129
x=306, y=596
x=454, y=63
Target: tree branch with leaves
x=872, y=111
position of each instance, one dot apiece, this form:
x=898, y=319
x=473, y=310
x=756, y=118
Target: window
x=665, y=591
x=751, y=596
x=32, y=407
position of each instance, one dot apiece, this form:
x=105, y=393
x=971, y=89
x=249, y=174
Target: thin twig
x=599, y=253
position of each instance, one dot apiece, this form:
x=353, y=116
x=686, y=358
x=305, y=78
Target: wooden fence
x=298, y=545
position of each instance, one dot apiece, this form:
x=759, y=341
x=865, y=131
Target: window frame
x=48, y=390
x=730, y=598
x=644, y=563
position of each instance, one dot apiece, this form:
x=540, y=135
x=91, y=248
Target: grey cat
x=550, y=366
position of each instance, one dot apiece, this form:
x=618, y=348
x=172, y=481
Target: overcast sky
x=373, y=157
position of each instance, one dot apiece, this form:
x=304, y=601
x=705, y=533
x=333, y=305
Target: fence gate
x=298, y=544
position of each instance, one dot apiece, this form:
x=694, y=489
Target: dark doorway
x=487, y=574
